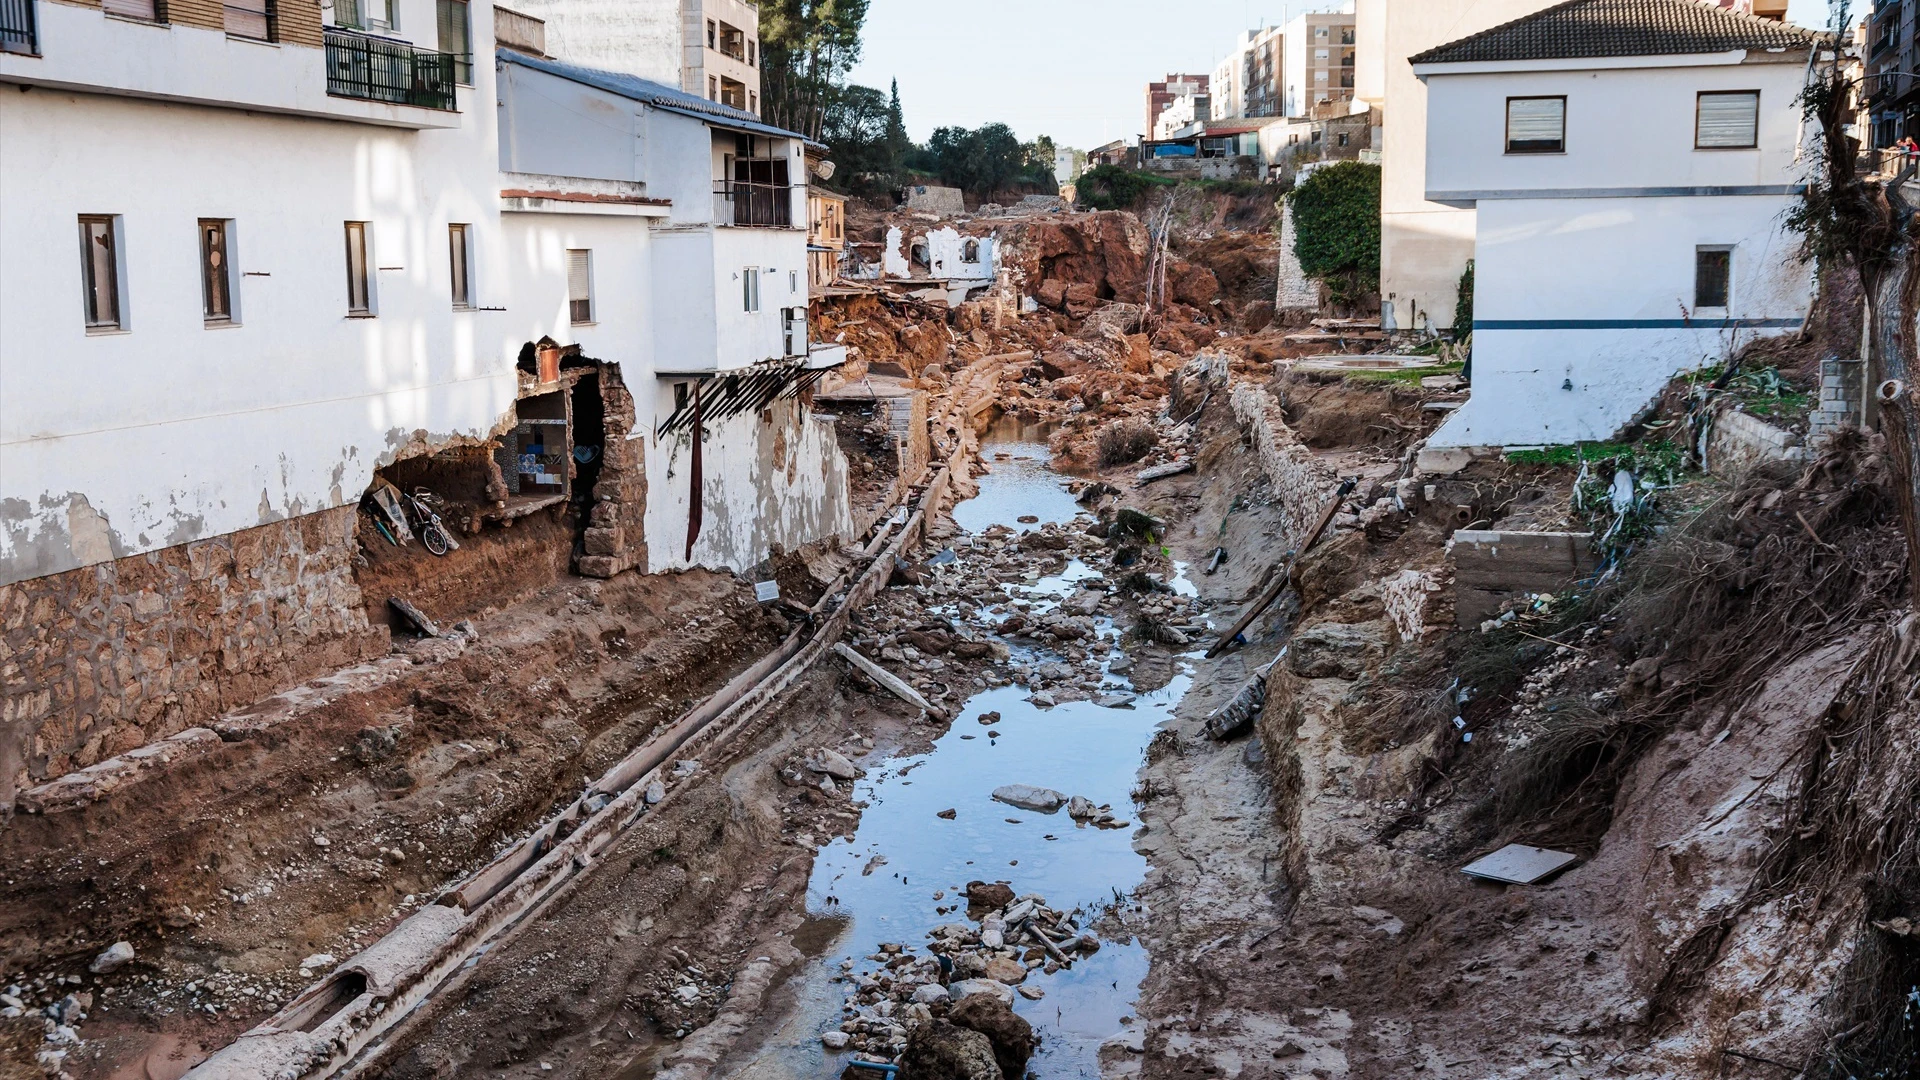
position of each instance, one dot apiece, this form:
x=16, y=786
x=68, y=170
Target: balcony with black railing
x=759, y=205
x=18, y=33
x=380, y=69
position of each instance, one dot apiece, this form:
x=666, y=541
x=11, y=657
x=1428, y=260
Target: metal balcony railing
x=17, y=30
x=380, y=69
x=742, y=203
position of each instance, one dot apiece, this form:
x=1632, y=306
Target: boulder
x=988, y=894
x=1027, y=797
x=941, y=1051
x=121, y=952
x=967, y=988
x=1002, y=970
x=834, y=764
x=1335, y=650
x=1010, y=1034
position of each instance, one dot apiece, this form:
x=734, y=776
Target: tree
x=855, y=130
x=1870, y=225
x=983, y=161
x=806, y=49
x=1336, y=228
x=899, y=145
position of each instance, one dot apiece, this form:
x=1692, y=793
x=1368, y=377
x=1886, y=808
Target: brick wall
x=1739, y=441
x=105, y=658
x=1842, y=398
x=616, y=537
x=299, y=22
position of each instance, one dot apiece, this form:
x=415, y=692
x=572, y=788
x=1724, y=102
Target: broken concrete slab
x=1492, y=566
x=1520, y=864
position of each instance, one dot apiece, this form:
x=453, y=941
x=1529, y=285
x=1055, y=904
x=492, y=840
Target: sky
x=1073, y=69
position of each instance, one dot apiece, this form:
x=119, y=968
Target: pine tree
x=898, y=145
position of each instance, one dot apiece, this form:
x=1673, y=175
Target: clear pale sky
x=1073, y=69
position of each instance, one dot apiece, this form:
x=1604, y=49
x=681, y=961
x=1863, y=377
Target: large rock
x=1335, y=650
x=1010, y=1034
x=967, y=988
x=941, y=1051
x=113, y=959
x=834, y=764
x=1002, y=970
x=988, y=894
x=1027, y=797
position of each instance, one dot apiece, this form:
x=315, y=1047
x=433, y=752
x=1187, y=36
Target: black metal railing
x=746, y=203
x=379, y=69
x=17, y=32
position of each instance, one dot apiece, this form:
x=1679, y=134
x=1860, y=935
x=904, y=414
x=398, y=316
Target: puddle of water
x=1077, y=748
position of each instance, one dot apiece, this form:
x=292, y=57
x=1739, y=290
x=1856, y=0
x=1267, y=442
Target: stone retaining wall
x=1302, y=483
x=105, y=658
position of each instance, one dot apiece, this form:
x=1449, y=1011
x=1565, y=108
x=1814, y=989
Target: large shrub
x=1336, y=228
x=1110, y=187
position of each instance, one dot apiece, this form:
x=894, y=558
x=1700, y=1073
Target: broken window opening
x=1712, y=277
x=733, y=93
x=756, y=186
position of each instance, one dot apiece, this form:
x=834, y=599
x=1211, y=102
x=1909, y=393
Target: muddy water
x=881, y=885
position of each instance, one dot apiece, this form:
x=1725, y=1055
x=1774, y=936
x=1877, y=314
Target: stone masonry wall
x=102, y=659
x=616, y=534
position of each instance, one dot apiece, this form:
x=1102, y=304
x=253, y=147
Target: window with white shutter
x=579, y=286
x=1536, y=125
x=1727, y=120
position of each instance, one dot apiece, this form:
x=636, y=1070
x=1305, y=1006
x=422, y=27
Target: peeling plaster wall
x=169, y=431
x=779, y=482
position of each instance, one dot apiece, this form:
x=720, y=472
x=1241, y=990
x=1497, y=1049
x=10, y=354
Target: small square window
x=1727, y=120
x=1536, y=125
x=1712, y=277
x=579, y=286
x=100, y=270
x=462, y=284
x=216, y=270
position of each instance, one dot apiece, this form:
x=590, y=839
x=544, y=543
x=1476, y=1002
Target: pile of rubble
x=1009, y=940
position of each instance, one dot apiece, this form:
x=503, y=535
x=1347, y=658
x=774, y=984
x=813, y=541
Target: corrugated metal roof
x=658, y=95
x=1587, y=28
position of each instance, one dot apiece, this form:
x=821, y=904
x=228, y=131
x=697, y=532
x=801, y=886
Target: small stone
x=834, y=1040
x=834, y=764
x=966, y=988
x=113, y=959
x=1081, y=808
x=988, y=719
x=949, y=814
x=1028, y=797
x=928, y=993
x=1031, y=993
x=655, y=792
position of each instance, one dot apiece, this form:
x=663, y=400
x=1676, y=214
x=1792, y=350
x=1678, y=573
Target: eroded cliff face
x=1310, y=916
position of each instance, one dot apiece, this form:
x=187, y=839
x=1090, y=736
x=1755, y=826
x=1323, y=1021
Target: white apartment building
x=1248, y=82
x=1630, y=163
x=252, y=264
x=694, y=218
x=1317, y=67
x=708, y=48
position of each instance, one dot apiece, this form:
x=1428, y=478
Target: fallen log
x=1161, y=472
x=887, y=679
x=1285, y=577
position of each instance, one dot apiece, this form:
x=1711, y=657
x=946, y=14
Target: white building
x=1631, y=163
x=1317, y=65
x=693, y=218
x=708, y=48
x=1248, y=82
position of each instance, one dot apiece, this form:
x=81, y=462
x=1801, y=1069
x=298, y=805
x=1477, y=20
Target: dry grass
x=1125, y=443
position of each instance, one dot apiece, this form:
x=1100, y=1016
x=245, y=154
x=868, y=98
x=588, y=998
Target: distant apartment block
x=1892, y=90
x=710, y=48
x=1247, y=82
x=1318, y=67
x=1180, y=90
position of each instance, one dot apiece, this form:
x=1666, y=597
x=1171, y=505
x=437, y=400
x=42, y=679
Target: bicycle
x=426, y=524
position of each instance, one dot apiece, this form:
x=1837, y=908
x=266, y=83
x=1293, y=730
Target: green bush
x=1336, y=228
x=1110, y=187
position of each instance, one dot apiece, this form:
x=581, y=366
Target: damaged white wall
x=766, y=483
x=171, y=429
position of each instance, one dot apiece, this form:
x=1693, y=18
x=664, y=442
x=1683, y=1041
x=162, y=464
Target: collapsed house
x=531, y=290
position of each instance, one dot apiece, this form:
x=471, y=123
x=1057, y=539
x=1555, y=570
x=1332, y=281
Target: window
x=456, y=37
x=145, y=10
x=1712, y=276
x=1727, y=121
x=100, y=270
x=1536, y=125
x=1320, y=31
x=753, y=101
x=579, y=286
x=457, y=239
x=359, y=286
x=713, y=88
x=347, y=13
x=216, y=271
x=713, y=35
x=751, y=43
x=750, y=288
x=250, y=19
